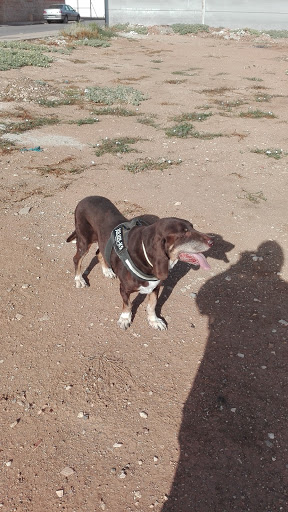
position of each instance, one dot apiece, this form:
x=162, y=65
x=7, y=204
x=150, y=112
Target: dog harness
x=118, y=241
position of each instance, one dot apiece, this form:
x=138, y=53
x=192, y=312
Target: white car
x=61, y=13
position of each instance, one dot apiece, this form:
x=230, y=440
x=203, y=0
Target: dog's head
x=172, y=239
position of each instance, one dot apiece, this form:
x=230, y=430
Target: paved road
x=34, y=31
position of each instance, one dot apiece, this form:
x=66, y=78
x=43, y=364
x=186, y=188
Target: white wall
x=88, y=8
x=258, y=14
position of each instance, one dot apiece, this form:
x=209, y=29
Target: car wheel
x=48, y=21
x=65, y=19
x=77, y=19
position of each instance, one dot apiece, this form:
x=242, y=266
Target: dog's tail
x=71, y=237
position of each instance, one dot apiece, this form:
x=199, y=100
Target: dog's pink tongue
x=194, y=259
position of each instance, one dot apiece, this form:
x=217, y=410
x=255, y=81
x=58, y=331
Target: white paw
x=124, y=320
x=80, y=282
x=108, y=272
x=157, y=323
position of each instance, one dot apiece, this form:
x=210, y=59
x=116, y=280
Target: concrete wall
x=17, y=11
x=258, y=14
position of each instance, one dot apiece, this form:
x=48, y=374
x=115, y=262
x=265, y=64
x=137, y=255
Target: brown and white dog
x=154, y=248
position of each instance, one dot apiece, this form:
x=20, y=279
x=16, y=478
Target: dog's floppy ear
x=160, y=260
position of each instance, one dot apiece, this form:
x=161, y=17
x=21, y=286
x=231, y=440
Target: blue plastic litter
x=37, y=148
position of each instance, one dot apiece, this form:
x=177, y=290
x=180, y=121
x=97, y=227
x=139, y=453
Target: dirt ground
x=192, y=419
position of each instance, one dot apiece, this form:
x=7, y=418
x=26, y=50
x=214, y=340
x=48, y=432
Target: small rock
x=83, y=415
x=117, y=445
x=283, y=322
x=155, y=458
x=178, y=203
x=271, y=435
x=123, y=474
x=240, y=355
x=8, y=463
x=25, y=210
x=14, y=423
x=44, y=318
x=18, y=316
x=60, y=493
x=143, y=414
x=137, y=494
x=67, y=471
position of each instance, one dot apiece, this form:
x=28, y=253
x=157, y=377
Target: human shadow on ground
x=234, y=437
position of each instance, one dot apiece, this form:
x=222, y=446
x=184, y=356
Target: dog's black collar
x=118, y=242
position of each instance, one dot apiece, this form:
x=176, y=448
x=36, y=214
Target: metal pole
x=106, y=14
x=203, y=11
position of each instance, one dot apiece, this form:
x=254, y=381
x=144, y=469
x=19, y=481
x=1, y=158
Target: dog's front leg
x=153, y=319
x=126, y=315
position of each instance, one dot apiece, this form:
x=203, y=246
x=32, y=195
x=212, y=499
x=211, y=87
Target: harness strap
x=118, y=241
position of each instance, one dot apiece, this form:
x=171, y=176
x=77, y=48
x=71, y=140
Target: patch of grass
x=193, y=116
x=175, y=82
x=148, y=120
x=184, y=130
x=87, y=120
x=72, y=96
x=277, y=34
x=126, y=27
x=253, y=79
x=229, y=104
x=257, y=114
x=115, y=111
x=114, y=146
x=186, y=72
x=182, y=28
x=149, y=164
x=96, y=43
x=271, y=153
x=13, y=58
x=78, y=32
x=217, y=90
x=262, y=98
x=111, y=95
x=6, y=146
x=60, y=168
x=253, y=197
x=31, y=124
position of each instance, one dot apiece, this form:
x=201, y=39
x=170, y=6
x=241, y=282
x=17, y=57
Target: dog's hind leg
x=153, y=319
x=82, y=250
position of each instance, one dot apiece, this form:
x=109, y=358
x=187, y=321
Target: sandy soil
x=193, y=418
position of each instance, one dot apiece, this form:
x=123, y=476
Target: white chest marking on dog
x=148, y=289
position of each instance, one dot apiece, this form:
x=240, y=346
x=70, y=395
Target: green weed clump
x=31, y=124
x=149, y=164
x=14, y=57
x=78, y=32
x=115, y=111
x=184, y=130
x=182, y=28
x=192, y=116
x=257, y=114
x=114, y=146
x=271, y=153
x=96, y=43
x=112, y=95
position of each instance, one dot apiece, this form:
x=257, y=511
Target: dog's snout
x=210, y=242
